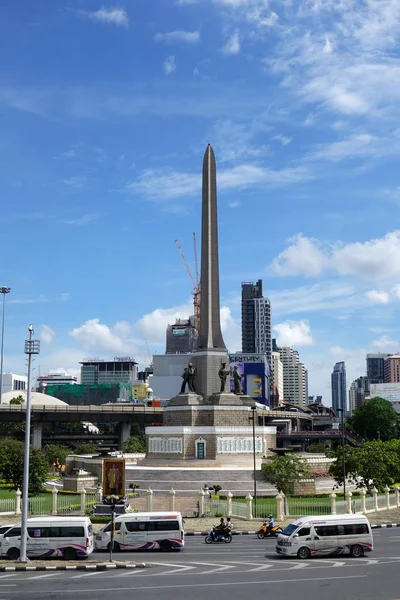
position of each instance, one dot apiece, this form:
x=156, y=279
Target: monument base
x=187, y=399
x=208, y=363
x=225, y=399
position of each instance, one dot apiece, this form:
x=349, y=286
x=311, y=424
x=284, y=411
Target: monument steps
x=192, y=480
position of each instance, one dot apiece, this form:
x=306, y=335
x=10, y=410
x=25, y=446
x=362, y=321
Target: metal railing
x=7, y=505
x=301, y=508
x=239, y=509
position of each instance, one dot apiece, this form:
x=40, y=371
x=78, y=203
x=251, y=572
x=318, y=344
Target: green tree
x=282, y=471
x=375, y=419
x=57, y=453
x=373, y=464
x=135, y=444
x=17, y=400
x=12, y=454
x=88, y=448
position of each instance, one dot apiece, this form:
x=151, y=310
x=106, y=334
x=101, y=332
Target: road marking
x=116, y=589
x=88, y=574
x=262, y=568
x=217, y=570
x=44, y=576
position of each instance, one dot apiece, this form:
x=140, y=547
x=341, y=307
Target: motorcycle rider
x=271, y=523
x=229, y=525
x=221, y=528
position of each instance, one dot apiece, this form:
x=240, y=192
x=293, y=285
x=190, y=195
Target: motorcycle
x=265, y=532
x=216, y=537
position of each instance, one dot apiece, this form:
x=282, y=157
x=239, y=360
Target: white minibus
x=67, y=537
x=143, y=531
x=327, y=535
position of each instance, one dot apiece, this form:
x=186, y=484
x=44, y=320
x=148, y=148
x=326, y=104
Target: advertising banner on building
x=114, y=477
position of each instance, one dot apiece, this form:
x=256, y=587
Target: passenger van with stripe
x=143, y=531
x=66, y=537
x=325, y=536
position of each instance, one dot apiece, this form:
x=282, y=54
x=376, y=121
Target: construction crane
x=195, y=282
x=149, y=354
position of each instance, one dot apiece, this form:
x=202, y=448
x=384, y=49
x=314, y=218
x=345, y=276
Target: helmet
x=270, y=517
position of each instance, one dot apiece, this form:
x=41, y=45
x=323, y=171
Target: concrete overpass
x=125, y=415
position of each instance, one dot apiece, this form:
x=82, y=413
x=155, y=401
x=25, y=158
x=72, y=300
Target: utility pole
x=3, y=290
x=31, y=347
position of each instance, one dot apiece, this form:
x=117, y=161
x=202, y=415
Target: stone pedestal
x=187, y=399
x=208, y=363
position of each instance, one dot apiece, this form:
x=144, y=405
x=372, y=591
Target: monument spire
x=210, y=335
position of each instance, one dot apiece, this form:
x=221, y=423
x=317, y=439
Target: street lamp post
x=253, y=419
x=31, y=347
x=341, y=410
x=3, y=290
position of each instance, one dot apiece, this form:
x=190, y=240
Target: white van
x=144, y=531
x=67, y=537
x=324, y=536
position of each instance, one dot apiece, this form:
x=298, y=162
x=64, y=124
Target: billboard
x=179, y=332
x=387, y=391
x=114, y=477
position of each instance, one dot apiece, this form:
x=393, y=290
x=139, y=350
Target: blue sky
x=105, y=112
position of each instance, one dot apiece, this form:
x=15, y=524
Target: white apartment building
x=13, y=383
x=263, y=328
x=294, y=377
x=57, y=379
x=353, y=397
x=277, y=377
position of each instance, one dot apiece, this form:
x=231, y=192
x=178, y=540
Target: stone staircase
x=192, y=480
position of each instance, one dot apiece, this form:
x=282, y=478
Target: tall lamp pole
x=31, y=347
x=3, y=290
x=253, y=418
x=341, y=410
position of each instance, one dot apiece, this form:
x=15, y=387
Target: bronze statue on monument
x=188, y=376
x=223, y=374
x=237, y=381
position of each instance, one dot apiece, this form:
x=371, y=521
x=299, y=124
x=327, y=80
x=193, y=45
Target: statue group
x=189, y=375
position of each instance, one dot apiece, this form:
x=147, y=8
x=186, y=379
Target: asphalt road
x=247, y=566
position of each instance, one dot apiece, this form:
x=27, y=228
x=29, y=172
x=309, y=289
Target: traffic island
x=47, y=565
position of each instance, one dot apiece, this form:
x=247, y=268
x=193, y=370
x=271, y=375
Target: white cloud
x=373, y=259
x=396, y=291
x=84, y=220
x=186, y=2
x=153, y=325
x=303, y=256
x=169, y=65
x=329, y=295
x=378, y=297
x=232, y=45
x=165, y=184
x=46, y=334
x=110, y=16
x=188, y=37
x=94, y=335
x=234, y=204
x=283, y=139
x=294, y=333
x=386, y=343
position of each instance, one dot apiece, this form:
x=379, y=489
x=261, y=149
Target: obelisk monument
x=211, y=351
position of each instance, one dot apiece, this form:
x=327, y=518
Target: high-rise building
x=359, y=390
x=95, y=371
x=182, y=336
x=294, y=377
x=339, y=390
x=256, y=321
x=392, y=368
x=57, y=379
x=13, y=383
x=376, y=367
x=277, y=379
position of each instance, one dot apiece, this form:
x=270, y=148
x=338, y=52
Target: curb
x=384, y=525
x=89, y=567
